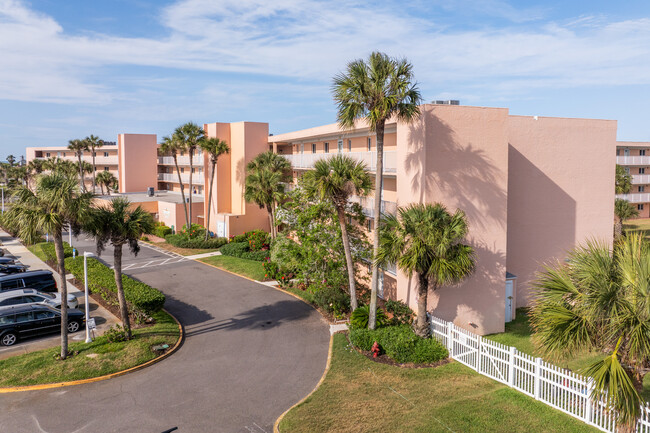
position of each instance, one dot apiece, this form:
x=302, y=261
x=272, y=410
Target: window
x=47, y=154
x=626, y=152
x=618, y=152
x=45, y=315
x=24, y=317
x=642, y=170
x=642, y=188
x=105, y=168
x=11, y=284
x=193, y=170
x=63, y=154
x=369, y=143
x=313, y=148
x=339, y=144
x=182, y=169
x=349, y=145
x=642, y=152
x=639, y=206
x=106, y=154
x=369, y=225
x=7, y=319
x=327, y=147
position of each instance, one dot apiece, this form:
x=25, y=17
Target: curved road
x=250, y=353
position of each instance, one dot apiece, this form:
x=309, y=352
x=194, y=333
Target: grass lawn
x=247, y=268
x=182, y=251
x=94, y=359
x=359, y=395
x=642, y=225
x=37, y=251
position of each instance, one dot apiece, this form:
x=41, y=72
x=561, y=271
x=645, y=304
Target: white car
x=31, y=296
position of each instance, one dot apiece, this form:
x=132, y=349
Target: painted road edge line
x=178, y=344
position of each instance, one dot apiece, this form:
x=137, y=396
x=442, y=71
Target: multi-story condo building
x=532, y=188
x=632, y=156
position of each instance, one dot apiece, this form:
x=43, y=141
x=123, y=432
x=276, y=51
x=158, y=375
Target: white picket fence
x=555, y=386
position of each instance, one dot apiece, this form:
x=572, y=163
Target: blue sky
x=72, y=68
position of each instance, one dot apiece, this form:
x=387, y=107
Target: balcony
x=633, y=160
x=307, y=160
x=641, y=197
x=197, y=178
x=368, y=205
x=640, y=179
x=182, y=160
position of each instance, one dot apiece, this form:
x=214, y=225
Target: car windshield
x=46, y=295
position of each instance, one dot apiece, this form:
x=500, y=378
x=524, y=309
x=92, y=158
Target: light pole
x=3, y=200
x=69, y=234
x=86, y=255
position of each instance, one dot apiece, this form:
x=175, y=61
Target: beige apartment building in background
x=532, y=188
x=635, y=157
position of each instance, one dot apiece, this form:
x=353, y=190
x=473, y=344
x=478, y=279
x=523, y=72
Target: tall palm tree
x=11, y=160
x=79, y=147
x=427, y=240
x=54, y=204
x=336, y=179
x=266, y=175
x=623, y=210
x=214, y=147
x=106, y=179
x=93, y=142
x=598, y=299
x=623, y=180
x=172, y=146
x=376, y=90
x=190, y=135
x=119, y=224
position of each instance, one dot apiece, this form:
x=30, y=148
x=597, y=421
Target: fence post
x=538, y=376
x=450, y=339
x=511, y=367
x=588, y=401
x=478, y=354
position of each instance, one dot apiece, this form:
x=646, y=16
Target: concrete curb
x=178, y=344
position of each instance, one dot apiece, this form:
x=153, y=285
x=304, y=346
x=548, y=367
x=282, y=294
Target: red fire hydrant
x=375, y=350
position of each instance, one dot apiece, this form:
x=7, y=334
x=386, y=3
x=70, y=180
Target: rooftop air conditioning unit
x=150, y=192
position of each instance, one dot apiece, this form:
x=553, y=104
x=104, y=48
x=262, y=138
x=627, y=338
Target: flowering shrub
x=258, y=240
x=273, y=271
x=195, y=231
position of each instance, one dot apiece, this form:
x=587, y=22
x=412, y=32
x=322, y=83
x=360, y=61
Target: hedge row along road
x=250, y=353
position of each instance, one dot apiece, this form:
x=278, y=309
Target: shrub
x=238, y=238
x=242, y=250
x=182, y=241
x=162, y=230
x=258, y=240
x=359, y=317
x=400, y=343
x=50, y=253
x=195, y=231
x=331, y=299
x=402, y=314
x=142, y=299
x=115, y=334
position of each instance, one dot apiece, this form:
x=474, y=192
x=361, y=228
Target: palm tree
x=190, y=135
x=265, y=178
x=376, y=90
x=106, y=179
x=427, y=240
x=623, y=210
x=172, y=146
x=93, y=143
x=11, y=160
x=597, y=299
x=214, y=147
x=78, y=147
x=336, y=179
x=54, y=204
x=623, y=180
x=118, y=224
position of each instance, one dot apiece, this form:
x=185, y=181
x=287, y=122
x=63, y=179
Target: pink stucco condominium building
x=635, y=157
x=532, y=187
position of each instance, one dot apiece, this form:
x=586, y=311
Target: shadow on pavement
x=186, y=313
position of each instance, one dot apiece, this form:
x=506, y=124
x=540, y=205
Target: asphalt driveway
x=250, y=353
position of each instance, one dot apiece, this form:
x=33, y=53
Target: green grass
x=359, y=395
x=37, y=251
x=247, y=268
x=42, y=366
x=639, y=225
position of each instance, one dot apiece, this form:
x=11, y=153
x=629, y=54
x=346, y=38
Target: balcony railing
x=182, y=160
x=368, y=205
x=197, y=178
x=641, y=197
x=641, y=179
x=633, y=160
x=307, y=160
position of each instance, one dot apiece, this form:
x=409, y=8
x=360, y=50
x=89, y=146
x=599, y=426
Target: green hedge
x=142, y=299
x=400, y=343
x=50, y=253
x=242, y=250
x=182, y=241
x=162, y=230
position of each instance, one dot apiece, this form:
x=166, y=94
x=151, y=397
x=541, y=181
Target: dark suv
x=39, y=280
x=26, y=321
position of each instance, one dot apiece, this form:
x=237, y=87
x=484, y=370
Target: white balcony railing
x=307, y=160
x=197, y=178
x=368, y=205
x=182, y=160
x=641, y=197
x=633, y=160
x=641, y=179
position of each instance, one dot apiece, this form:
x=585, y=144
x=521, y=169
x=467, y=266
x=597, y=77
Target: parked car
x=7, y=261
x=31, y=296
x=40, y=280
x=2, y=252
x=12, y=269
x=26, y=321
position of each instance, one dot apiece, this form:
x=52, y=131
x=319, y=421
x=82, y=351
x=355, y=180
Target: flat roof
x=167, y=196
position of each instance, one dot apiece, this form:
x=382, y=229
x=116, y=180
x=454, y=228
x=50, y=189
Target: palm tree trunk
x=82, y=184
x=618, y=228
x=191, y=152
x=422, y=324
x=269, y=209
x=180, y=182
x=60, y=258
x=117, y=267
x=348, y=257
x=94, y=171
x=101, y=187
x=207, y=223
x=374, y=282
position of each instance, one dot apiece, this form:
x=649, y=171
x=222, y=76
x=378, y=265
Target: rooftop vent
x=446, y=102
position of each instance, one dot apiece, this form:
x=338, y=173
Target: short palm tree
x=376, y=90
x=623, y=180
x=172, y=146
x=11, y=160
x=93, y=142
x=54, y=204
x=79, y=147
x=425, y=239
x=336, y=179
x=106, y=179
x=119, y=224
x=623, y=210
x=598, y=299
x=266, y=175
x=214, y=147
x=190, y=135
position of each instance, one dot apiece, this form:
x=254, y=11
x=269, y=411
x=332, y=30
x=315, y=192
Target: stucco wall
x=138, y=159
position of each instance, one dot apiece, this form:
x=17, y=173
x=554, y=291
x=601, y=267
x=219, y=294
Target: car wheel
x=73, y=326
x=9, y=339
